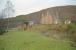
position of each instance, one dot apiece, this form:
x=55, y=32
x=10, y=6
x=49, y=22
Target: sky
x=29, y=6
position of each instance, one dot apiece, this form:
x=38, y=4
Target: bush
x=2, y=31
x=67, y=31
x=71, y=33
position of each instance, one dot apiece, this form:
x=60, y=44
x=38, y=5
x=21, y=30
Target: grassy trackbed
x=25, y=40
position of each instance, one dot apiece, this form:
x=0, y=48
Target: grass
x=25, y=40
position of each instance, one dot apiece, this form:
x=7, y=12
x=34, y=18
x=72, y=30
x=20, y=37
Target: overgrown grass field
x=25, y=40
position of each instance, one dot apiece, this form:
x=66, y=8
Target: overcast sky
x=29, y=6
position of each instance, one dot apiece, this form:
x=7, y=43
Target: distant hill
x=47, y=16
x=56, y=12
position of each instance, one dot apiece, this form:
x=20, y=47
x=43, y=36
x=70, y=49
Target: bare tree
x=7, y=12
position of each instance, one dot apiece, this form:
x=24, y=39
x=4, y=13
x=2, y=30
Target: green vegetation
x=2, y=31
x=32, y=39
x=25, y=40
x=71, y=33
x=62, y=32
x=68, y=31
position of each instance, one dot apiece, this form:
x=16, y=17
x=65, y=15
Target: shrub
x=2, y=31
x=67, y=31
x=71, y=33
